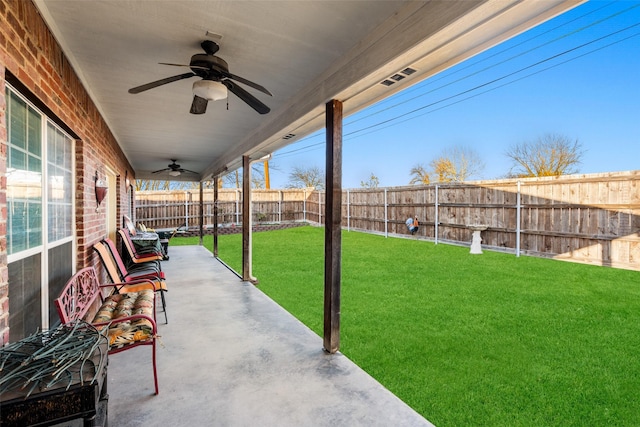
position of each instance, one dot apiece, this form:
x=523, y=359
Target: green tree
x=549, y=155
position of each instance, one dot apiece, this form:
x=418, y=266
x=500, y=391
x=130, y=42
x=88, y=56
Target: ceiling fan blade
x=251, y=100
x=188, y=171
x=161, y=82
x=199, y=67
x=199, y=105
x=161, y=170
x=246, y=82
x=173, y=65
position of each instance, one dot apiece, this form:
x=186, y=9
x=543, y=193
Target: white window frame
x=44, y=247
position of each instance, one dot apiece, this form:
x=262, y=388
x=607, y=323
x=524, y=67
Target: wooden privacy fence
x=591, y=218
x=171, y=209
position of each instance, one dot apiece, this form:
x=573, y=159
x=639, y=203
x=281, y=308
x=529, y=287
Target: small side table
x=80, y=395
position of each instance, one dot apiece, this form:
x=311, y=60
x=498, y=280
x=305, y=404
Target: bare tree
x=549, y=155
x=301, y=177
x=419, y=175
x=233, y=179
x=456, y=164
x=372, y=182
x=163, y=185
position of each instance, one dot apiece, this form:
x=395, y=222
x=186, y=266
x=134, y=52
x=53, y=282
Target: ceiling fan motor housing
x=202, y=65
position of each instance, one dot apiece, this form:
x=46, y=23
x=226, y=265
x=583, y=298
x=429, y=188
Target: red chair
x=123, y=332
x=151, y=269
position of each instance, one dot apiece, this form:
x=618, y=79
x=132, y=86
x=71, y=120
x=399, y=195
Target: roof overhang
x=305, y=53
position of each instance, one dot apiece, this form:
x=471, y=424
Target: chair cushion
x=117, y=306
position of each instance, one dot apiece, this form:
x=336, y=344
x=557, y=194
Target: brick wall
x=30, y=55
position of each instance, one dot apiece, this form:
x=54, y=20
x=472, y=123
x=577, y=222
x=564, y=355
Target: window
x=40, y=221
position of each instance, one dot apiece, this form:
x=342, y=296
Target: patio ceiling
x=304, y=52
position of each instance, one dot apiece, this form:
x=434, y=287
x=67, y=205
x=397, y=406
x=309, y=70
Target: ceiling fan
x=174, y=169
x=216, y=79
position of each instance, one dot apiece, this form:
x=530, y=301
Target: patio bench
x=127, y=319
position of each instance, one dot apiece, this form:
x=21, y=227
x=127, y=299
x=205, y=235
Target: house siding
x=30, y=55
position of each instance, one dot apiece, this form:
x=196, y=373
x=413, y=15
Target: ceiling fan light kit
x=209, y=90
x=174, y=173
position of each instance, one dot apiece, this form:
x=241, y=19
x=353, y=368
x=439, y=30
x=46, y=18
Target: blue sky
x=577, y=75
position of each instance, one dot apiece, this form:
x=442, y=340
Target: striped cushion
x=117, y=306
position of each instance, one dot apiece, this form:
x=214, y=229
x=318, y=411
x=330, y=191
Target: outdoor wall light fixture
x=127, y=181
x=101, y=190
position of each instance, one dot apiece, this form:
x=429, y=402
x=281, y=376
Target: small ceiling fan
x=216, y=79
x=174, y=169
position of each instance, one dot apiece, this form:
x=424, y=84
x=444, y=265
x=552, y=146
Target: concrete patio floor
x=230, y=356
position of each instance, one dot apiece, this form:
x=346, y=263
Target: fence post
x=386, y=218
x=237, y=207
x=304, y=206
x=280, y=206
x=186, y=209
x=435, y=222
x=319, y=209
x=518, y=206
x=348, y=211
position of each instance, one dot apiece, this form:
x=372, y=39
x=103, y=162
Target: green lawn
x=490, y=340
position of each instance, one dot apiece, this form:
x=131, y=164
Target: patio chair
x=132, y=282
x=151, y=269
x=138, y=256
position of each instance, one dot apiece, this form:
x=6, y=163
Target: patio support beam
x=333, y=237
x=215, y=216
x=246, y=221
x=201, y=214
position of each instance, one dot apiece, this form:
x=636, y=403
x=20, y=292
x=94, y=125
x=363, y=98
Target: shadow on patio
x=230, y=356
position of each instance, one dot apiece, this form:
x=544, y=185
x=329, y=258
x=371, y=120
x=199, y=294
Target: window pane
x=59, y=183
x=17, y=236
x=17, y=159
x=18, y=121
x=35, y=224
x=35, y=165
x=35, y=133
